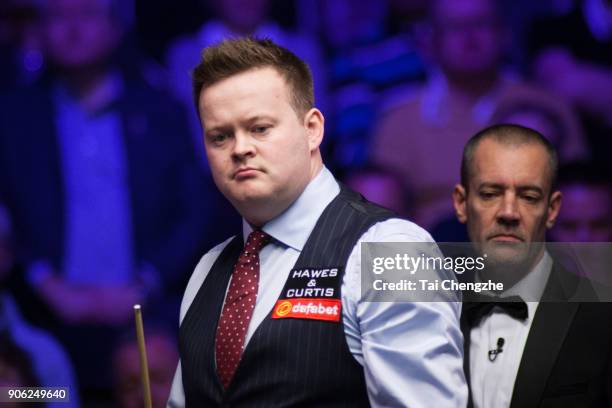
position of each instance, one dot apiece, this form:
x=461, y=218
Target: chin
x=250, y=196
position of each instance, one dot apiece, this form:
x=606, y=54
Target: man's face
x=262, y=154
x=586, y=214
x=508, y=204
x=468, y=39
x=79, y=33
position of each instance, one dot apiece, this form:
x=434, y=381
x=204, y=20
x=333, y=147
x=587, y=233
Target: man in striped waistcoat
x=274, y=316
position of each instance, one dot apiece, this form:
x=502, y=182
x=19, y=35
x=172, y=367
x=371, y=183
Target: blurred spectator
x=383, y=187
x=404, y=13
x=22, y=61
x=424, y=137
x=549, y=115
x=572, y=55
x=586, y=214
x=15, y=367
x=236, y=18
x=29, y=357
x=162, y=358
x=103, y=182
x=15, y=370
x=532, y=108
x=369, y=65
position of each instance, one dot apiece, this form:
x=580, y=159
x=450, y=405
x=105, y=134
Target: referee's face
x=508, y=205
x=261, y=152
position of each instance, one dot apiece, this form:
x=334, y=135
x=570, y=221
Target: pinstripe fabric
x=197, y=349
x=288, y=362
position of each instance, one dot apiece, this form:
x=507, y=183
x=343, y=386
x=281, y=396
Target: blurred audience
x=572, y=56
x=423, y=138
x=585, y=220
x=237, y=18
x=15, y=367
x=162, y=359
x=29, y=356
x=383, y=187
x=586, y=214
x=22, y=60
x=369, y=65
x=102, y=171
x=549, y=115
x=104, y=186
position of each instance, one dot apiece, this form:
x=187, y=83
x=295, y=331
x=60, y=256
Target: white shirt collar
x=294, y=225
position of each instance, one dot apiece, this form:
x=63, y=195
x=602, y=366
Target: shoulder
x=393, y=230
x=396, y=236
x=199, y=275
x=396, y=229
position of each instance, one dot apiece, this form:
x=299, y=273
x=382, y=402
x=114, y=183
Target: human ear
x=459, y=202
x=314, y=122
x=554, y=206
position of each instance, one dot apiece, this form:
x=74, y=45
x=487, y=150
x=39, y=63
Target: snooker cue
x=144, y=368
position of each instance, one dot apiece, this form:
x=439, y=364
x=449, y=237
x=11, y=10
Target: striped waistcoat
x=287, y=362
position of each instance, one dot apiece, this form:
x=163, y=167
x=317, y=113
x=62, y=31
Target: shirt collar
x=294, y=225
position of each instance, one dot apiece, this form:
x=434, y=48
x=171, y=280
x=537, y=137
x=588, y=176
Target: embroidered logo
x=303, y=308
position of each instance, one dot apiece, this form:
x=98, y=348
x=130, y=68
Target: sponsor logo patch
x=308, y=308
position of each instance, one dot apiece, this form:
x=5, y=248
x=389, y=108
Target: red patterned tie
x=238, y=307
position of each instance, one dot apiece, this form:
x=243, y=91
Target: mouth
x=245, y=172
x=510, y=238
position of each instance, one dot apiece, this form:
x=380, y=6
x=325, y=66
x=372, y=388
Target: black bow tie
x=475, y=310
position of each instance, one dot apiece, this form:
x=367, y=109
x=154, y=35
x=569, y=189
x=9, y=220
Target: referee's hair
x=512, y=136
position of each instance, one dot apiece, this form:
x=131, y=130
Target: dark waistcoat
x=288, y=361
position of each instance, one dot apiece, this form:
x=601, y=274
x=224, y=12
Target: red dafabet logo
x=283, y=308
x=307, y=308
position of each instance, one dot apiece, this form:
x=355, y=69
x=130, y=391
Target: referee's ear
x=554, y=206
x=459, y=202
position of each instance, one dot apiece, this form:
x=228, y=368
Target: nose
x=508, y=213
x=243, y=147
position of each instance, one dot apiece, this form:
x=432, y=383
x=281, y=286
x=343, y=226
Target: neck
x=317, y=166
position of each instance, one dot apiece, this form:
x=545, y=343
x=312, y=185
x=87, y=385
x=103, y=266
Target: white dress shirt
x=412, y=353
x=493, y=381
